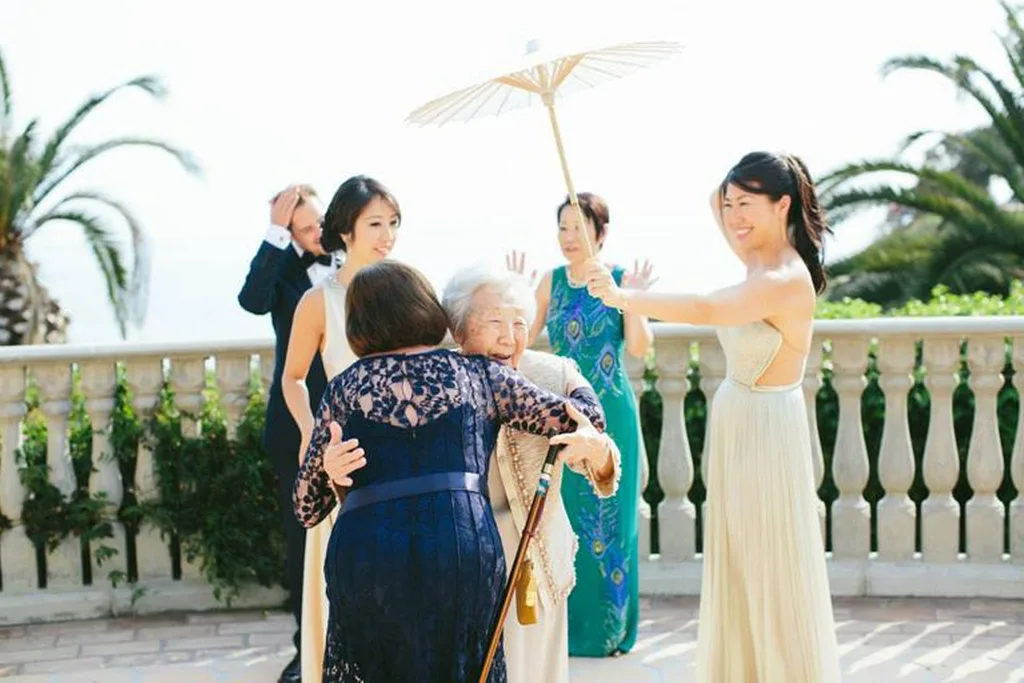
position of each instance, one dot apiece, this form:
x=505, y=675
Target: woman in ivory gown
x=765, y=611
x=362, y=221
x=490, y=314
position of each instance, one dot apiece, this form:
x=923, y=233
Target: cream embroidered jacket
x=520, y=456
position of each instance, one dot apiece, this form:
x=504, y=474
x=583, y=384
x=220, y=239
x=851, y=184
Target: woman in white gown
x=765, y=610
x=362, y=221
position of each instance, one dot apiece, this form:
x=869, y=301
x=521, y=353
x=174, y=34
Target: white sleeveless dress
x=765, y=610
x=336, y=356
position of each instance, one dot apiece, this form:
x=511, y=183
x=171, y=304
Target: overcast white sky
x=317, y=91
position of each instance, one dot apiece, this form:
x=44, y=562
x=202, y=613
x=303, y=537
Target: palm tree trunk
x=28, y=314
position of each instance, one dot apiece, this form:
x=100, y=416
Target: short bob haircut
x=391, y=306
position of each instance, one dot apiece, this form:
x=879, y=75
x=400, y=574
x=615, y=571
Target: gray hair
x=459, y=292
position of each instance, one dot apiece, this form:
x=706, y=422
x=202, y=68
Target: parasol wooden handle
x=549, y=104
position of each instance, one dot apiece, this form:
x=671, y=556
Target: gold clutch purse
x=526, y=594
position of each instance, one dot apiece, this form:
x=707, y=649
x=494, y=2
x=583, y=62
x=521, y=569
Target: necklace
x=573, y=282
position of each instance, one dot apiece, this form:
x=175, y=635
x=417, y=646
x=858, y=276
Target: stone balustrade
x=919, y=471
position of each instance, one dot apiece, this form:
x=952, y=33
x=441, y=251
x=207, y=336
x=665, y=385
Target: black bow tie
x=309, y=259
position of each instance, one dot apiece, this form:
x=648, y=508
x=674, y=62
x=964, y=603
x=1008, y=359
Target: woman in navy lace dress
x=415, y=565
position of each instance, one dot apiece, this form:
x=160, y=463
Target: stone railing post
x=152, y=553
x=897, y=515
x=851, y=514
x=677, y=516
x=17, y=553
x=63, y=565
x=940, y=513
x=187, y=379
x=233, y=375
x=99, y=383
x=986, y=356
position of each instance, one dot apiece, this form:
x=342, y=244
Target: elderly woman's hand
x=342, y=458
x=585, y=448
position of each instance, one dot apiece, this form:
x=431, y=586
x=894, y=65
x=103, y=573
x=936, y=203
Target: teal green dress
x=604, y=605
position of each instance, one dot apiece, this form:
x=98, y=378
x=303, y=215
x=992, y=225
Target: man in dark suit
x=289, y=262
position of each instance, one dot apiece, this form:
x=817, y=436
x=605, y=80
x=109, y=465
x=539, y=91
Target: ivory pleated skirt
x=765, y=609
x=315, y=607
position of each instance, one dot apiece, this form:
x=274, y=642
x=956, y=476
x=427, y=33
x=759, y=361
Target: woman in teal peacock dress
x=604, y=605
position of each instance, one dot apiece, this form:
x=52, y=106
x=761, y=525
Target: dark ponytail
x=777, y=176
x=808, y=222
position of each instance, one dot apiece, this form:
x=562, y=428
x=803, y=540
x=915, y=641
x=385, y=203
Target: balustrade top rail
x=73, y=352
x=949, y=326
x=938, y=326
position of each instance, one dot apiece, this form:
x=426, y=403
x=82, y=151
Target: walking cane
x=529, y=530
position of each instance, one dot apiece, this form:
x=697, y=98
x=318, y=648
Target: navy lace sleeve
x=314, y=496
x=526, y=407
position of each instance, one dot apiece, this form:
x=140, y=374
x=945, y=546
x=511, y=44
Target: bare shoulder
x=789, y=279
x=314, y=296
x=311, y=306
x=791, y=286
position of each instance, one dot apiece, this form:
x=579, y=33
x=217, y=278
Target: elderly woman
x=490, y=314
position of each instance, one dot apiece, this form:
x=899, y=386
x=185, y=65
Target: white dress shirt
x=281, y=238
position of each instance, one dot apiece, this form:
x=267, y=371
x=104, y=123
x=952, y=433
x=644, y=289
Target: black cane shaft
x=529, y=529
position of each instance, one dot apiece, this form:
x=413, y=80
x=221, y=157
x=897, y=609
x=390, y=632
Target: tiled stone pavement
x=882, y=641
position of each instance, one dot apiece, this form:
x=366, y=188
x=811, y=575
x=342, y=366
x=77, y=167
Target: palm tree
x=950, y=229
x=32, y=175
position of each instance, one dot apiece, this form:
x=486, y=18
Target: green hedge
x=217, y=499
x=218, y=504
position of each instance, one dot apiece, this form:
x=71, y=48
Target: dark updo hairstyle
x=594, y=208
x=777, y=176
x=349, y=201
x=391, y=306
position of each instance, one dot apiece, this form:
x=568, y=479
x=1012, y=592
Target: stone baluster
x=99, y=383
x=187, y=380
x=63, y=565
x=897, y=515
x=851, y=514
x=677, y=516
x=17, y=553
x=1016, y=461
x=940, y=513
x=811, y=385
x=986, y=356
x=635, y=368
x=152, y=553
x=233, y=375
x=712, y=374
